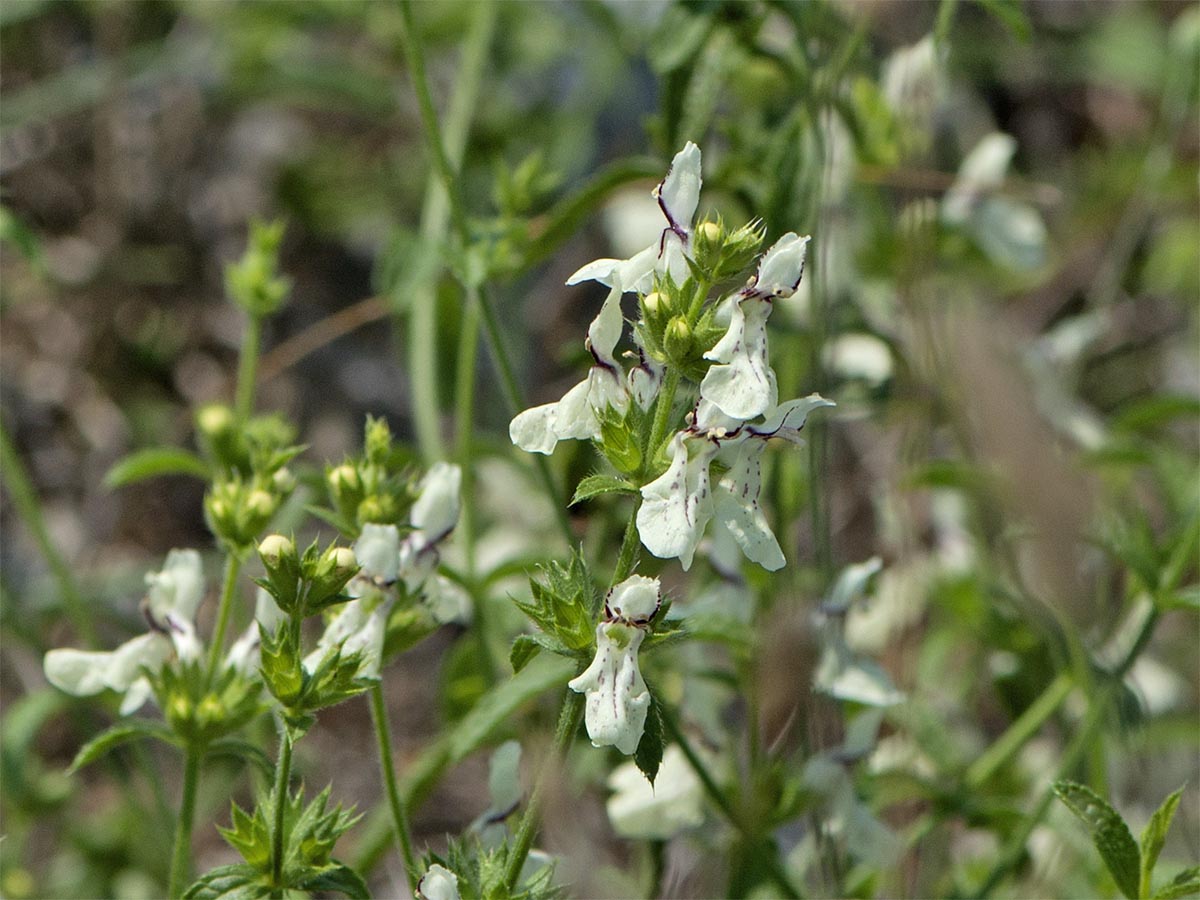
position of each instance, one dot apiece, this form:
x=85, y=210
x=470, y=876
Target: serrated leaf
x=595, y=485
x=1154, y=835
x=524, y=648
x=649, y=754
x=122, y=733
x=1110, y=834
x=239, y=882
x=498, y=705
x=1185, y=884
x=337, y=877
x=155, y=461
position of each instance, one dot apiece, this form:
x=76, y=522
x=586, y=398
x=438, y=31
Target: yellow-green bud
x=179, y=709
x=275, y=547
x=260, y=503
x=343, y=479
x=677, y=340
x=284, y=481
x=373, y=509
x=342, y=559
x=710, y=231
x=214, y=419
x=209, y=710
x=652, y=302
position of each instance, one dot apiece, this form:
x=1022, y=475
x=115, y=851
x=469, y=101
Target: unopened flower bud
x=342, y=560
x=260, y=503
x=677, y=340
x=214, y=419
x=209, y=710
x=374, y=509
x=710, y=231
x=652, y=302
x=179, y=709
x=275, y=547
x=284, y=481
x=343, y=479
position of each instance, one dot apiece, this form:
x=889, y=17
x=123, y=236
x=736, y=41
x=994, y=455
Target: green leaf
x=649, y=754
x=1185, y=884
x=595, y=485
x=524, y=649
x=154, y=461
x=119, y=734
x=239, y=882
x=1154, y=835
x=1110, y=834
x=337, y=877
x=497, y=707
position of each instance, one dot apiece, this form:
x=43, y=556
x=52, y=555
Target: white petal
x=178, y=587
x=438, y=883
x=148, y=651
x=135, y=698
x=781, y=268
x=533, y=429
x=267, y=612
x=600, y=270
x=436, y=510
x=605, y=389
x=448, y=601
x=636, y=599
x=605, y=330
x=641, y=811
x=617, y=698
x=737, y=509
x=378, y=551
x=78, y=672
x=633, y=274
x=676, y=506
x=743, y=386
x=679, y=193
x=786, y=420
x=672, y=260
x=574, y=416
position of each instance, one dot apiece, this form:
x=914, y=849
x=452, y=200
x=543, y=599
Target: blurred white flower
x=574, y=417
x=438, y=883
x=617, y=699
x=678, y=196
x=172, y=597
x=658, y=812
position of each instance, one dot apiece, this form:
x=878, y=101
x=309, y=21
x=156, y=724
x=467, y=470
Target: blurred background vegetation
x=1002, y=298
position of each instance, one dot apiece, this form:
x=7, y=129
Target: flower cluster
x=173, y=595
x=389, y=562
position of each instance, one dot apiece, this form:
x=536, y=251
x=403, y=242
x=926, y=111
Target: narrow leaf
x=238, y=882
x=595, y=485
x=1110, y=834
x=524, y=649
x=1154, y=835
x=154, y=461
x=650, y=748
x=1185, y=884
x=114, y=737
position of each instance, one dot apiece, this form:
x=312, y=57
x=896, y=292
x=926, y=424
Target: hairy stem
x=247, y=369
x=181, y=855
x=388, y=767
x=283, y=771
x=233, y=568
x=568, y=724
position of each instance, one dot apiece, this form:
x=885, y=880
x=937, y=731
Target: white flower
x=574, y=417
x=438, y=883
x=433, y=517
x=243, y=655
x=678, y=196
x=742, y=385
x=358, y=627
x=617, y=698
x=172, y=596
x=677, y=506
x=646, y=377
x=640, y=810
x=378, y=553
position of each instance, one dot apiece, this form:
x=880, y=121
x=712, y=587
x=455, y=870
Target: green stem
x=629, y=545
x=388, y=768
x=283, y=771
x=1014, y=851
x=247, y=369
x=181, y=856
x=233, y=568
x=420, y=288
x=722, y=802
x=25, y=498
x=662, y=416
x=1024, y=728
x=568, y=724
